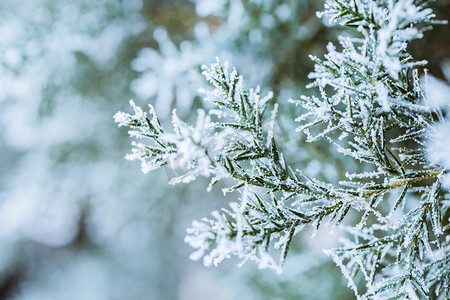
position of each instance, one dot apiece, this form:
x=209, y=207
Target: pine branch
x=370, y=106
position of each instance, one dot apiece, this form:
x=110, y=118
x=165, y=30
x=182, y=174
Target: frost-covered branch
x=239, y=145
x=371, y=106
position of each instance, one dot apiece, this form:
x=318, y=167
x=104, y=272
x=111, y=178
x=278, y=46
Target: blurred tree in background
x=79, y=223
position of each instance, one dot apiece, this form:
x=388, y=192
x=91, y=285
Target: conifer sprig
x=370, y=105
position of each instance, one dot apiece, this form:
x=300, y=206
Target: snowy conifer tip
x=371, y=106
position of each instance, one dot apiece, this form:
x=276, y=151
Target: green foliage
x=372, y=108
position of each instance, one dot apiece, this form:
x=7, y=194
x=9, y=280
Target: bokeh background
x=77, y=221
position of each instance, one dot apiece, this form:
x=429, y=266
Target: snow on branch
x=371, y=106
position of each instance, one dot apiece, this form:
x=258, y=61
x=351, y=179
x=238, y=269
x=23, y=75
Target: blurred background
x=77, y=221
